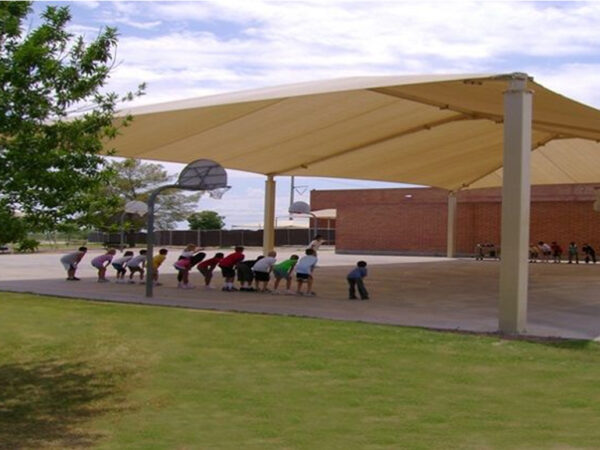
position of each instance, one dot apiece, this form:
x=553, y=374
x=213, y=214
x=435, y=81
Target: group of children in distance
x=544, y=251
x=248, y=271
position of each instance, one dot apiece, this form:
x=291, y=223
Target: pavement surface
x=437, y=293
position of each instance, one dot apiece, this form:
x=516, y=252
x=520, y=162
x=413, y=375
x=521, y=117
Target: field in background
x=79, y=374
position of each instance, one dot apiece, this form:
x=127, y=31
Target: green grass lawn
x=77, y=374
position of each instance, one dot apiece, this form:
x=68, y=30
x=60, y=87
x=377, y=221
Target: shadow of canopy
x=46, y=403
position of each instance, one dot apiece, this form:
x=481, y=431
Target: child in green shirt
x=284, y=270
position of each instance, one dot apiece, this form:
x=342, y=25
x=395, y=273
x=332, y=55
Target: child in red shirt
x=228, y=265
x=206, y=268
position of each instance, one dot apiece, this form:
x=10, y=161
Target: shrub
x=27, y=245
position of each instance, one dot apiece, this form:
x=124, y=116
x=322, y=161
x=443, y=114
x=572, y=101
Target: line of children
x=543, y=251
x=259, y=269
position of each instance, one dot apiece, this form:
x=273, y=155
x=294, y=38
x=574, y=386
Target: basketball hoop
x=136, y=207
x=218, y=193
x=303, y=209
x=300, y=208
x=201, y=175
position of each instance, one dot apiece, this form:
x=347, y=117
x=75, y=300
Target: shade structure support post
x=451, y=236
x=269, y=223
x=516, y=186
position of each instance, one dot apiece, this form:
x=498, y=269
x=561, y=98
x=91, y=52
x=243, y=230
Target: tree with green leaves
x=55, y=117
x=206, y=220
x=135, y=180
x=12, y=228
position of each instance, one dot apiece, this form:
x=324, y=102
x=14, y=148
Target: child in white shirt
x=304, y=270
x=262, y=269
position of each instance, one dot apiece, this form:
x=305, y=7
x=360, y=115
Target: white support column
x=514, y=268
x=269, y=225
x=451, y=237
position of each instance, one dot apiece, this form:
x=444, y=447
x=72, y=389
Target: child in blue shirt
x=355, y=279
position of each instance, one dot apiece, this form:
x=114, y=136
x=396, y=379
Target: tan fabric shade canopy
x=443, y=131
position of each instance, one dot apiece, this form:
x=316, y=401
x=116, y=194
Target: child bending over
x=207, y=267
x=70, y=261
x=228, y=265
x=283, y=270
x=119, y=265
x=262, y=269
x=156, y=262
x=304, y=270
x=355, y=279
x=137, y=264
x=102, y=262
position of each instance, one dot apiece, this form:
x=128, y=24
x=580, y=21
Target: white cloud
x=577, y=80
x=187, y=49
x=210, y=47
x=89, y=4
x=139, y=25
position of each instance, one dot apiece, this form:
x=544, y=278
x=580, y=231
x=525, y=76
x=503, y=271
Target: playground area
x=436, y=293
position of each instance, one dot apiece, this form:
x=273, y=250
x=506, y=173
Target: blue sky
x=189, y=49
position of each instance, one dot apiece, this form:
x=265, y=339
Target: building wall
x=414, y=221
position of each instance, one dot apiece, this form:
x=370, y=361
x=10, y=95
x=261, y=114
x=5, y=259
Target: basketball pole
x=150, y=239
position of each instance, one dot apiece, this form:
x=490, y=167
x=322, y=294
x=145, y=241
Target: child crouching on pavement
x=70, y=261
x=262, y=270
x=190, y=256
x=156, y=262
x=304, y=270
x=137, y=264
x=283, y=270
x=120, y=263
x=245, y=275
x=228, y=266
x=207, y=267
x=101, y=262
x=355, y=279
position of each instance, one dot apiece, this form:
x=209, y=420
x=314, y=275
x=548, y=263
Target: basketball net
x=218, y=193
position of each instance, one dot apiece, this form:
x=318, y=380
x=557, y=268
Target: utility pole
x=292, y=187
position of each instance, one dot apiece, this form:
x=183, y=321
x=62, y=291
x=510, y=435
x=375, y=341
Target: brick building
x=414, y=221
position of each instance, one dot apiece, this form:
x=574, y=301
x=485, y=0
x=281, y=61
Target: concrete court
x=440, y=293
